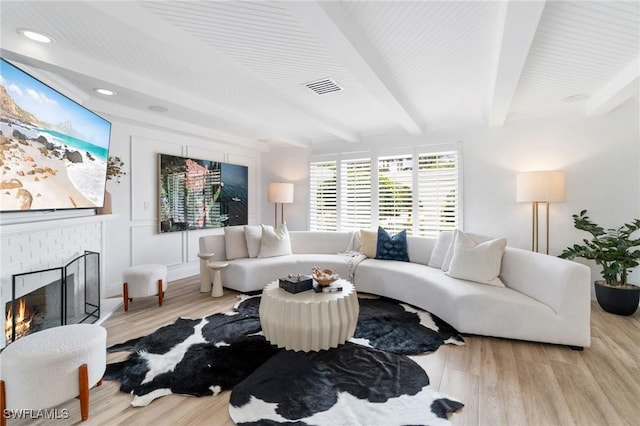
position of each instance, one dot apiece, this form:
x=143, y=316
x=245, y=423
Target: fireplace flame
x=24, y=317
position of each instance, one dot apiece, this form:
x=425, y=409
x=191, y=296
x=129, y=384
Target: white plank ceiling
x=236, y=71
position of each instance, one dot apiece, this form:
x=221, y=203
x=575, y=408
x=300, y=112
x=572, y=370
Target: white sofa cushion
x=368, y=242
x=254, y=274
x=253, y=235
x=478, y=238
x=235, y=242
x=445, y=239
x=477, y=262
x=446, y=262
x=330, y=242
x=275, y=242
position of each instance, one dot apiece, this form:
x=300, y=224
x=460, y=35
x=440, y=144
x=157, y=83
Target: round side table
x=205, y=280
x=216, y=267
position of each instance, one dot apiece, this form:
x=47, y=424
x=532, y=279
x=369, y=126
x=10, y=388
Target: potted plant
x=114, y=168
x=615, y=250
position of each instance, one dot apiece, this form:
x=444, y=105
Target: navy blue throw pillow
x=392, y=247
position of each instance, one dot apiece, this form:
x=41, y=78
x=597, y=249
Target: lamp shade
x=543, y=186
x=280, y=192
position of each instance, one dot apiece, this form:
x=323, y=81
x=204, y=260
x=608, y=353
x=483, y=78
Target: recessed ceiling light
x=35, y=36
x=576, y=98
x=158, y=108
x=105, y=92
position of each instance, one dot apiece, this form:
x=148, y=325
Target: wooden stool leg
x=3, y=404
x=99, y=382
x=125, y=294
x=160, y=293
x=83, y=382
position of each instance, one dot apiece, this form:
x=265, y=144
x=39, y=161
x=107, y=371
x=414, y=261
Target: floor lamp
x=282, y=193
x=541, y=187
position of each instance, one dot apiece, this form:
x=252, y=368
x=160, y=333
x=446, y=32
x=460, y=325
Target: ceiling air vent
x=324, y=86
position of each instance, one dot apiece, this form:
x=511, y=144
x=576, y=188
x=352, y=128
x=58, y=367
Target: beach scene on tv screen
x=53, y=151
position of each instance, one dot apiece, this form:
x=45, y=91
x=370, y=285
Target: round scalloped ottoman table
x=308, y=321
x=49, y=367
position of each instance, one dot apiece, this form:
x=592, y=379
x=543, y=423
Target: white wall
x=287, y=165
x=134, y=237
x=600, y=155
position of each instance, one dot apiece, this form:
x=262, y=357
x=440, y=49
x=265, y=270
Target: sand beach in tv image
x=34, y=177
x=46, y=166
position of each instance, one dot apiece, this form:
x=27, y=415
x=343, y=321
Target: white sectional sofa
x=545, y=298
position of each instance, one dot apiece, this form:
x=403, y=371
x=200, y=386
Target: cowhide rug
x=369, y=377
x=348, y=385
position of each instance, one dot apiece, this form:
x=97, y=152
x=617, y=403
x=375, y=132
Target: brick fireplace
x=28, y=247
x=42, y=299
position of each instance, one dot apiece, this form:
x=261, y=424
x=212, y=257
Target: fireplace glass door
x=52, y=297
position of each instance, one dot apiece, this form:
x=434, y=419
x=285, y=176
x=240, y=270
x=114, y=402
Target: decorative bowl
x=324, y=277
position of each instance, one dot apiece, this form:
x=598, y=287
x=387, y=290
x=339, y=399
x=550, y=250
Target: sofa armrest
x=563, y=285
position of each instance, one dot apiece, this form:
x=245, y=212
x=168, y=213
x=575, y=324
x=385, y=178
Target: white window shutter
x=355, y=194
x=416, y=191
x=323, y=196
x=438, y=192
x=395, y=193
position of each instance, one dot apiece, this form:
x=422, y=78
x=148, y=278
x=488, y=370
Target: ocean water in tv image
x=234, y=193
x=97, y=151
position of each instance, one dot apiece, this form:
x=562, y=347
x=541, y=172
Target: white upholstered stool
x=49, y=367
x=216, y=267
x=143, y=281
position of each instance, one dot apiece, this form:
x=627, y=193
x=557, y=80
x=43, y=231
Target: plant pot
x=106, y=208
x=616, y=300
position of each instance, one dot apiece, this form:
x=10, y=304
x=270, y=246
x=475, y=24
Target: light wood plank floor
x=502, y=382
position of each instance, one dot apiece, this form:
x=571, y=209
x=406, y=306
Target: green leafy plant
x=613, y=249
x=114, y=168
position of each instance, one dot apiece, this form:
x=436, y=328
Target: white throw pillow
x=477, y=262
x=368, y=243
x=446, y=262
x=253, y=235
x=275, y=242
x=354, y=242
x=235, y=243
x=445, y=239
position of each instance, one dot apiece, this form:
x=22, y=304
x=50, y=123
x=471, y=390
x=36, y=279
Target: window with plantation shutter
x=323, y=196
x=438, y=192
x=416, y=189
x=395, y=193
x=355, y=194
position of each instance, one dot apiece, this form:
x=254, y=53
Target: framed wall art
x=199, y=194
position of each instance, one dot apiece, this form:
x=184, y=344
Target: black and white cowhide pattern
x=228, y=351
x=193, y=357
x=400, y=328
x=348, y=385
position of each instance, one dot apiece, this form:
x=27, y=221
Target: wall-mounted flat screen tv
x=198, y=194
x=53, y=151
